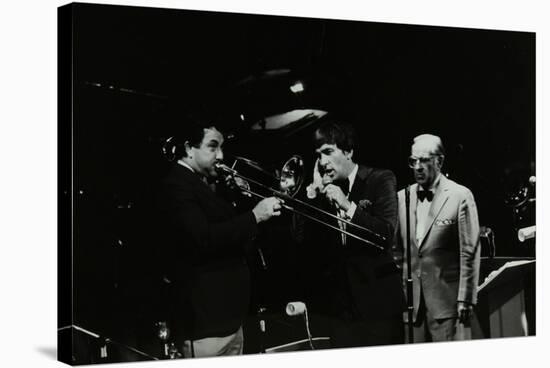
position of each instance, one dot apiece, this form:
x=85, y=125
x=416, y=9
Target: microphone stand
x=261, y=321
x=261, y=308
x=410, y=303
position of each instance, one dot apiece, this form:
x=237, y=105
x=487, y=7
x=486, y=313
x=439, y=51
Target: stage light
x=297, y=87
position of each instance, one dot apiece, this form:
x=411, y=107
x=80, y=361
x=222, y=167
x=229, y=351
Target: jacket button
x=419, y=255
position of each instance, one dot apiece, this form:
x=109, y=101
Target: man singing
x=356, y=285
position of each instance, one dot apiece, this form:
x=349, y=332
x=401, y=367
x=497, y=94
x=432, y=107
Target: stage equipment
x=487, y=240
x=297, y=309
x=522, y=201
x=521, y=196
x=89, y=347
x=168, y=148
x=275, y=100
x=168, y=348
x=506, y=301
x=526, y=233
x=410, y=303
x=290, y=180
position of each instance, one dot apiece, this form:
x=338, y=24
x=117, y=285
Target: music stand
x=505, y=302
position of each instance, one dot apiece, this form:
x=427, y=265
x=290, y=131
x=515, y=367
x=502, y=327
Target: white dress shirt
x=348, y=215
x=422, y=211
x=351, y=211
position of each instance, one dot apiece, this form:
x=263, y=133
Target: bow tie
x=425, y=194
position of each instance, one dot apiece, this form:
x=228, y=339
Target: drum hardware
x=169, y=349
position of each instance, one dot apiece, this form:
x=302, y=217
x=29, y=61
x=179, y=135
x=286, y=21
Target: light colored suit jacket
x=445, y=266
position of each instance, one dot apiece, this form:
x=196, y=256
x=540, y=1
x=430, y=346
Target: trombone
x=290, y=180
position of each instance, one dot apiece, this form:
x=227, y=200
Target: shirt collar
x=201, y=177
x=352, y=176
x=185, y=164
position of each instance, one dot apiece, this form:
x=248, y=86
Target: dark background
x=138, y=70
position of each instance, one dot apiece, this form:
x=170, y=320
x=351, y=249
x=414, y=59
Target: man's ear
x=440, y=159
x=349, y=154
x=188, y=149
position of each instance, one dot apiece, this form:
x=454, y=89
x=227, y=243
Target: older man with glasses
x=444, y=244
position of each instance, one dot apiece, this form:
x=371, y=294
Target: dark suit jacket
x=357, y=280
x=445, y=267
x=206, y=244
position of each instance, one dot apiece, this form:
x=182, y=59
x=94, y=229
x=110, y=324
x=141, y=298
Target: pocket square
x=364, y=204
x=444, y=222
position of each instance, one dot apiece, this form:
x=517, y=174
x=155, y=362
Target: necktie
x=425, y=194
x=344, y=185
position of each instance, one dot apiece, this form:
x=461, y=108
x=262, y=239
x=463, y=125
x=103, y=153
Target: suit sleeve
x=381, y=217
x=468, y=233
x=211, y=238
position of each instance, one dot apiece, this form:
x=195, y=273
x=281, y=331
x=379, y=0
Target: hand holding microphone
x=336, y=196
x=320, y=181
x=323, y=183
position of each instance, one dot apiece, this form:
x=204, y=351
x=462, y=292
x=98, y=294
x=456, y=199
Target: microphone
x=319, y=182
x=326, y=181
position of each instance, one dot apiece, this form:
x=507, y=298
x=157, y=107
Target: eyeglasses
x=413, y=160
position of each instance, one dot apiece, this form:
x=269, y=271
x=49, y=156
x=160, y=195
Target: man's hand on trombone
x=267, y=208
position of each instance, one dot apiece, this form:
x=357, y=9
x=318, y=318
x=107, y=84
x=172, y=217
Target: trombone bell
x=292, y=176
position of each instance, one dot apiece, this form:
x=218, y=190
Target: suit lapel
x=440, y=198
x=356, y=192
x=412, y=210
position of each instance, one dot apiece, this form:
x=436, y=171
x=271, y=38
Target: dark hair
x=340, y=134
x=192, y=130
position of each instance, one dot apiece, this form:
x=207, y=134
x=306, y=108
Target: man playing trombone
x=206, y=245
x=351, y=276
